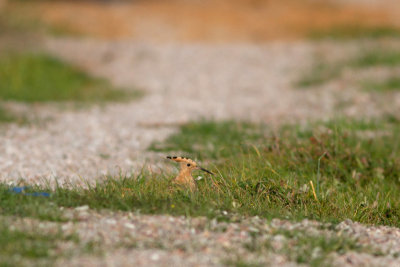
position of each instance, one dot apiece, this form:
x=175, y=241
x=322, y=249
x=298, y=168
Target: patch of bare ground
x=123, y=239
x=214, y=21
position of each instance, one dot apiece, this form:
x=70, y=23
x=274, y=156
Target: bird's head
x=187, y=163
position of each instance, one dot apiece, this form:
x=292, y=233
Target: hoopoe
x=185, y=174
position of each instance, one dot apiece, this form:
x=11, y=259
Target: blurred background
x=207, y=20
x=136, y=69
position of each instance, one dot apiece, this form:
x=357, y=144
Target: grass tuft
x=33, y=77
x=210, y=139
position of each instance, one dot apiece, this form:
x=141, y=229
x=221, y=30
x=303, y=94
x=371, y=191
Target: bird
x=185, y=177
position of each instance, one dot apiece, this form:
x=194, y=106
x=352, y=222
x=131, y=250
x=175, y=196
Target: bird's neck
x=185, y=173
x=185, y=176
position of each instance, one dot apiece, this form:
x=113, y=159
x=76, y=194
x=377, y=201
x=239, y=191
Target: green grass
x=32, y=247
x=377, y=57
x=270, y=176
x=29, y=248
x=273, y=178
x=310, y=249
x=391, y=84
x=347, y=32
x=5, y=116
x=258, y=172
x=12, y=204
x=323, y=72
x=212, y=140
x=31, y=77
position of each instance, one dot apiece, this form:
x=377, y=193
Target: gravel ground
x=126, y=239
x=183, y=82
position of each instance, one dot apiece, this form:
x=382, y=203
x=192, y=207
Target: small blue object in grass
x=20, y=190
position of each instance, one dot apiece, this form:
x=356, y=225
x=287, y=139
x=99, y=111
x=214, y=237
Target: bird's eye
x=188, y=164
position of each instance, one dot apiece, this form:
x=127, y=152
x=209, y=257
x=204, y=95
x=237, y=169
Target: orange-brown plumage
x=185, y=177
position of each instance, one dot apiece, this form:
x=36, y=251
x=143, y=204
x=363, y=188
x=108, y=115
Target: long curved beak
x=204, y=170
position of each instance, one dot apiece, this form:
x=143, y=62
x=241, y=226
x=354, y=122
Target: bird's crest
x=183, y=159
